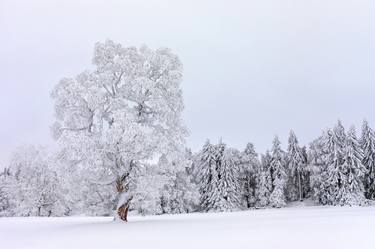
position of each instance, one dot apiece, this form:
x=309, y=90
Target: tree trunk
x=123, y=209
x=300, y=186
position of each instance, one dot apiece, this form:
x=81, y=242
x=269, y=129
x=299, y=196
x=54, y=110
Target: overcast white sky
x=253, y=68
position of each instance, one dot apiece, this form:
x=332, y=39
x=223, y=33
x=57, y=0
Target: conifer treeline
x=336, y=169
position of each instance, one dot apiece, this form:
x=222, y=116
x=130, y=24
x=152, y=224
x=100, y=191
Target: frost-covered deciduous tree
x=368, y=147
x=248, y=175
x=180, y=193
x=37, y=190
x=147, y=194
x=120, y=115
x=85, y=194
x=278, y=174
x=166, y=188
x=296, y=165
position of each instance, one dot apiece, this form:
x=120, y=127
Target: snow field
x=294, y=227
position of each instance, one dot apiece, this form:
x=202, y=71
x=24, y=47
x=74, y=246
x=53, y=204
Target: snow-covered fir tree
x=208, y=175
x=353, y=172
x=264, y=182
x=227, y=197
x=317, y=168
x=278, y=174
x=368, y=147
x=296, y=165
x=7, y=200
x=335, y=148
x=220, y=187
x=342, y=172
x=248, y=175
x=333, y=158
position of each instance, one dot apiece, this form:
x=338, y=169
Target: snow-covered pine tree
x=7, y=201
x=278, y=173
x=353, y=171
x=296, y=166
x=264, y=182
x=317, y=168
x=335, y=148
x=219, y=188
x=249, y=172
x=228, y=188
x=306, y=190
x=368, y=147
x=208, y=175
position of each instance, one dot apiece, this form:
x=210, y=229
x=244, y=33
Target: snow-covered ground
x=292, y=227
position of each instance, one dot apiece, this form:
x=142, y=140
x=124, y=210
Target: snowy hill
x=293, y=227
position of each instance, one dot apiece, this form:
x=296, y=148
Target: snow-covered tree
x=317, y=168
x=339, y=178
x=37, y=191
x=7, y=200
x=335, y=149
x=179, y=194
x=208, y=175
x=368, y=147
x=228, y=188
x=296, y=165
x=278, y=174
x=353, y=171
x=248, y=175
x=219, y=188
x=120, y=115
x=147, y=195
x=86, y=192
x=264, y=182
x=166, y=188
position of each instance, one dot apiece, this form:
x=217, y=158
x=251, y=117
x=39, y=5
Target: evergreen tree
x=264, y=182
x=249, y=172
x=227, y=197
x=352, y=191
x=296, y=162
x=368, y=147
x=208, y=175
x=219, y=188
x=7, y=201
x=343, y=175
x=335, y=148
x=317, y=168
x=306, y=190
x=278, y=174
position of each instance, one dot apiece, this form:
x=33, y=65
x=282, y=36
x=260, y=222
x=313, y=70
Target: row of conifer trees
x=337, y=168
